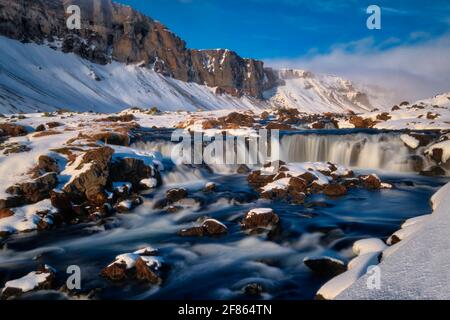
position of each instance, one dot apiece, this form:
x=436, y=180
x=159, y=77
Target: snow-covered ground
x=418, y=266
x=35, y=77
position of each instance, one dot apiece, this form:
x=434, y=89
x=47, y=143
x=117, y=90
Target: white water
x=365, y=151
x=380, y=151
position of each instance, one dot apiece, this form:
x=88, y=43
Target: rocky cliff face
x=110, y=31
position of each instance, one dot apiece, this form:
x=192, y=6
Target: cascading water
x=385, y=151
x=371, y=151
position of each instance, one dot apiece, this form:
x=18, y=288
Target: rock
x=361, y=123
x=40, y=128
x=210, y=187
x=253, y=290
x=371, y=182
x=5, y=213
x=260, y=218
x=436, y=154
x=12, y=130
x=213, y=227
x=94, y=179
x=210, y=227
x=326, y=266
x=42, y=279
x=46, y=164
x=120, y=118
x=145, y=273
x=135, y=39
x=61, y=201
x=335, y=190
x=385, y=116
x=177, y=194
x=115, y=272
x=211, y=124
x=128, y=205
x=35, y=190
x=318, y=125
x=393, y=240
x=257, y=180
x=192, y=232
x=264, y=115
x=237, y=120
x=395, y=108
x=433, y=171
x=243, y=169
x=290, y=116
x=112, y=138
x=54, y=124
x=134, y=171
x=404, y=103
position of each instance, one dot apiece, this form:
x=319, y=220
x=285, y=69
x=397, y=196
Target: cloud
x=413, y=71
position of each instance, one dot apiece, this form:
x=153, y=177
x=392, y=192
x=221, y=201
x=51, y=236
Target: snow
x=411, y=142
x=25, y=218
x=417, y=267
x=29, y=282
x=368, y=245
x=129, y=259
x=258, y=211
x=35, y=77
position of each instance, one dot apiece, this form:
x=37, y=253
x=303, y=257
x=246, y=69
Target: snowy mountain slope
x=318, y=93
x=38, y=78
x=35, y=77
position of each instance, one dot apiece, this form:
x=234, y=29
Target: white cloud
x=412, y=71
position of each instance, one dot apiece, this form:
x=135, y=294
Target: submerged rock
x=335, y=190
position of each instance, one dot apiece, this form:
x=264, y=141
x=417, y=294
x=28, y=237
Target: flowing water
x=218, y=268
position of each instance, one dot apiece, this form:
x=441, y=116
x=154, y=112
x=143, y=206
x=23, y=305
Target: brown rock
x=174, y=195
x=132, y=170
x=115, y=272
x=12, y=130
x=214, y=228
x=370, y=182
x=112, y=138
x=40, y=128
x=237, y=119
x=145, y=273
x=54, y=124
x=192, y=232
x=325, y=266
x=34, y=190
x=385, y=116
x=5, y=213
x=243, y=169
x=262, y=219
x=335, y=190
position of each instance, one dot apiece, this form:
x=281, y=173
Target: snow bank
x=417, y=267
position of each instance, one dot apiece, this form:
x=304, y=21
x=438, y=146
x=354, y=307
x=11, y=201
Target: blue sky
x=268, y=29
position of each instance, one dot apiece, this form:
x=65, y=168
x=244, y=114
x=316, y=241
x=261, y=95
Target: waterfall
x=376, y=151
x=384, y=151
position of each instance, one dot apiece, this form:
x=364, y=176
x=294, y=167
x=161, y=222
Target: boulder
x=132, y=170
x=325, y=266
x=91, y=182
x=35, y=190
x=260, y=218
x=371, y=182
x=145, y=273
x=210, y=228
x=115, y=272
x=237, y=119
x=177, y=194
x=12, y=130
